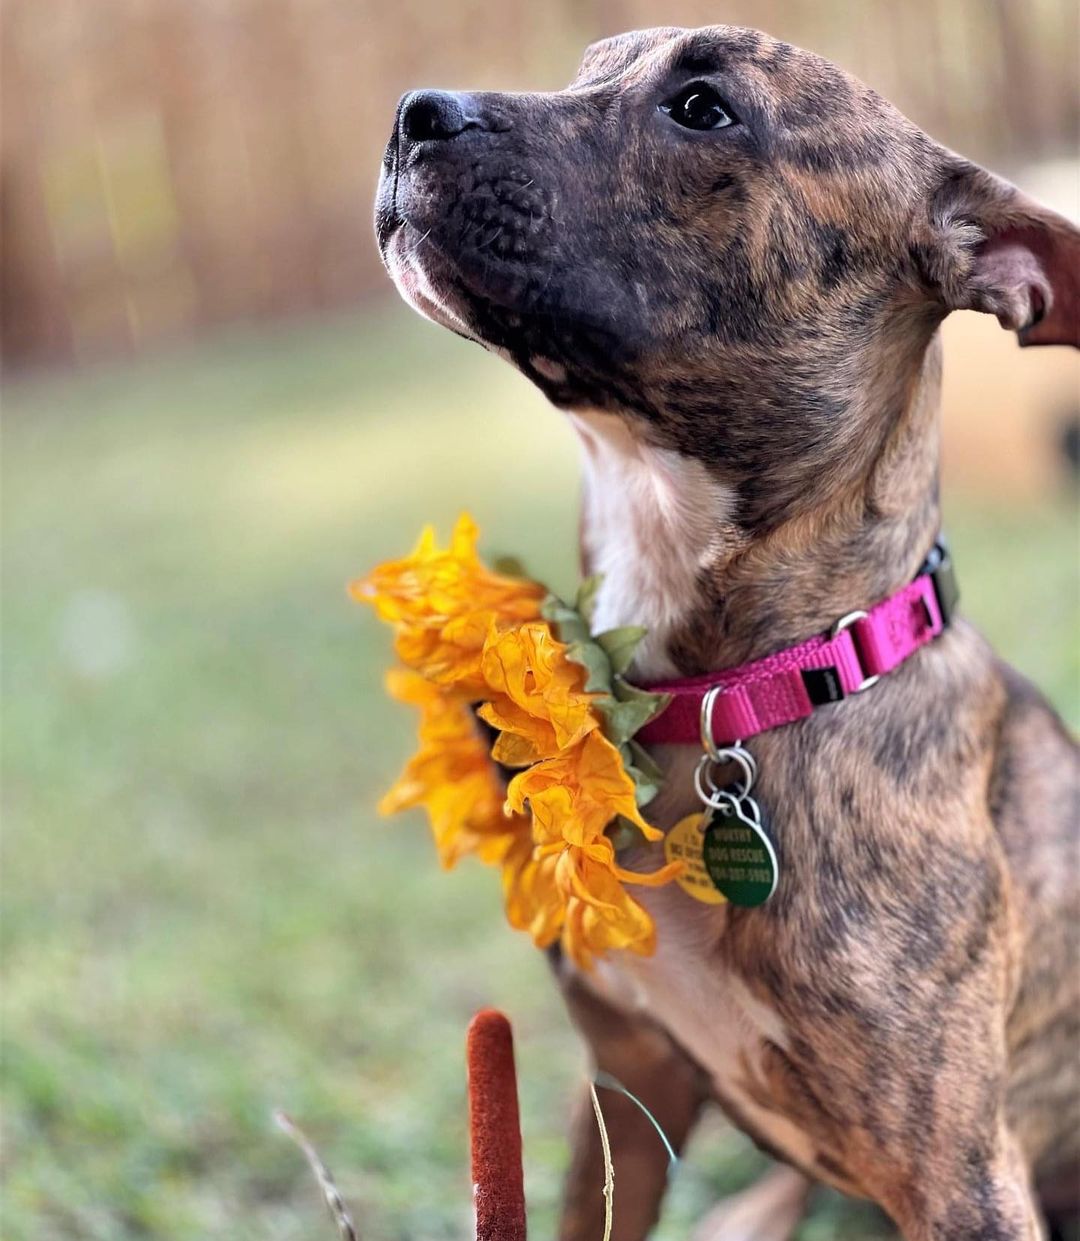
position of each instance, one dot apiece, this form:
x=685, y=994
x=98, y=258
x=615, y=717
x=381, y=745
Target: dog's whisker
x=499, y=230
x=420, y=241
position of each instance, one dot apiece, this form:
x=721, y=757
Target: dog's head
x=716, y=234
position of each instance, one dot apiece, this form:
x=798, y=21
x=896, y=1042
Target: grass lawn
x=203, y=917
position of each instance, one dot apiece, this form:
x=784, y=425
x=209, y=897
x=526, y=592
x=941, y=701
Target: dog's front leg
x=646, y=1062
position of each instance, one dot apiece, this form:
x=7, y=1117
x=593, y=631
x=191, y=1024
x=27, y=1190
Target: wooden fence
x=170, y=165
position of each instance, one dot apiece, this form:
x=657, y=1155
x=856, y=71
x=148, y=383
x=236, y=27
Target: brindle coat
x=744, y=324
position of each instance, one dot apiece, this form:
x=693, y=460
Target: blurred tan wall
x=171, y=165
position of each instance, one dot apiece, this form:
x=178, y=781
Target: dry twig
x=346, y=1228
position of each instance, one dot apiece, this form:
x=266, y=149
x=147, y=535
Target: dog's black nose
x=437, y=115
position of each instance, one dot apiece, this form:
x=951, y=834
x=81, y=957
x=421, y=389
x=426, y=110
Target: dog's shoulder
x=1034, y=797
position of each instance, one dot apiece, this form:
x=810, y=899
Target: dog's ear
x=989, y=247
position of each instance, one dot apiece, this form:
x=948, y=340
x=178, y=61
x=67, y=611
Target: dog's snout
x=435, y=115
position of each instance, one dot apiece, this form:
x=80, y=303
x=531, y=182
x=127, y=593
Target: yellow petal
x=512, y=750
x=526, y=664
x=441, y=603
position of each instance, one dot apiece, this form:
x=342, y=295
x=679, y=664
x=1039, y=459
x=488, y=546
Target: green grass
x=203, y=918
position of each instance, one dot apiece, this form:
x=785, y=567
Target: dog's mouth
x=426, y=278
x=460, y=234
x=475, y=235
x=463, y=218
x=484, y=266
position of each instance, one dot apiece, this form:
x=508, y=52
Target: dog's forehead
x=610, y=59
x=811, y=118
x=641, y=54
x=776, y=82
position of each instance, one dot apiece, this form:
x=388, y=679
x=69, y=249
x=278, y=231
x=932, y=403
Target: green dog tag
x=739, y=856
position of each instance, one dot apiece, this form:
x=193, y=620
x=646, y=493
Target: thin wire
x=609, y=1167
x=612, y=1083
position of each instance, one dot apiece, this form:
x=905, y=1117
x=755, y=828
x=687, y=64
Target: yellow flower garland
x=474, y=642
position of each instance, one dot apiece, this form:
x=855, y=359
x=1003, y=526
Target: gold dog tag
x=684, y=844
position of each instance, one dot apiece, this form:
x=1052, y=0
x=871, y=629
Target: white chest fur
x=652, y=521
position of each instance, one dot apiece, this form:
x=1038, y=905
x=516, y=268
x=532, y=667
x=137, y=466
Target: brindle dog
x=729, y=261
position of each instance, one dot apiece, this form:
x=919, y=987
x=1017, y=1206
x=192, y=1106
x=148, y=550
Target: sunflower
x=474, y=644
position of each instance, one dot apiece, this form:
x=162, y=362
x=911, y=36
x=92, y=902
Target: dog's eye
x=698, y=107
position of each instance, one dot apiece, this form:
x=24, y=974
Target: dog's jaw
x=652, y=521
x=411, y=271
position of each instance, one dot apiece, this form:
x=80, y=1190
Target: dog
x=728, y=261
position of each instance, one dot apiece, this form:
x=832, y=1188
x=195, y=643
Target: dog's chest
x=650, y=519
x=711, y=1013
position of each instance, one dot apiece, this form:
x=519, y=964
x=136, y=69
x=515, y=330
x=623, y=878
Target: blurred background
x=216, y=413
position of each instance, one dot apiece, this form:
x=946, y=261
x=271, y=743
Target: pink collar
x=788, y=685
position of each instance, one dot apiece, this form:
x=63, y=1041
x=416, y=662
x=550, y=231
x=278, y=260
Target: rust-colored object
x=498, y=1178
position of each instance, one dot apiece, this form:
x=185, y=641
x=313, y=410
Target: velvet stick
x=498, y=1179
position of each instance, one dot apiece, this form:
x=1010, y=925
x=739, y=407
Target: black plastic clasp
x=938, y=566
x=822, y=685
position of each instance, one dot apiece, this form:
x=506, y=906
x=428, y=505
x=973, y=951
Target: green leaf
x=643, y=769
x=625, y=692
x=568, y=625
x=595, y=663
x=620, y=720
x=643, y=761
x=623, y=708
x=586, y=597
x=620, y=645
x=644, y=788
x=624, y=834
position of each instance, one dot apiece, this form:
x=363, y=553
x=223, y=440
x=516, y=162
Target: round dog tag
x=683, y=844
x=739, y=857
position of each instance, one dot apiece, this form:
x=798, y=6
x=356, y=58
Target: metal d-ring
x=708, y=741
x=719, y=756
x=724, y=754
x=845, y=622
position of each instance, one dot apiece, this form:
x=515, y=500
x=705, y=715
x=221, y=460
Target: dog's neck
x=662, y=529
